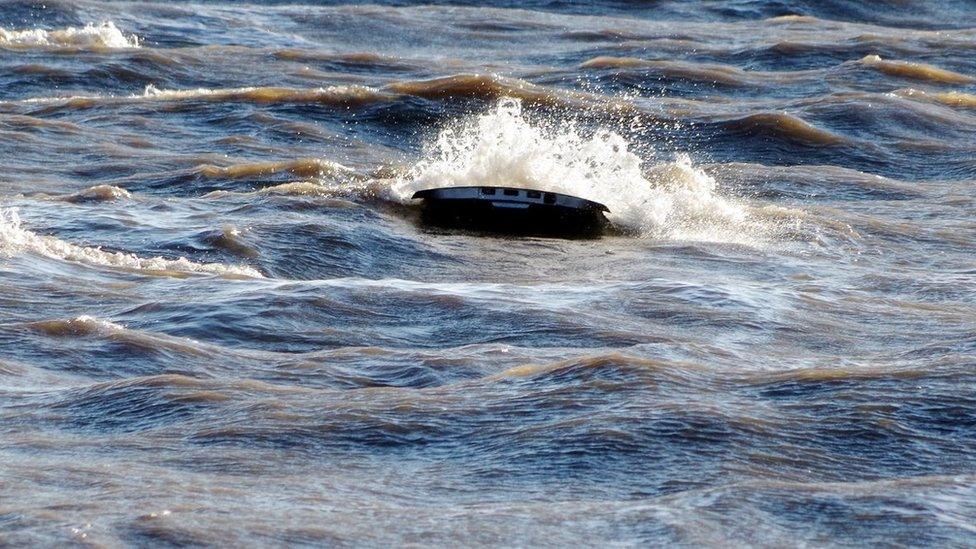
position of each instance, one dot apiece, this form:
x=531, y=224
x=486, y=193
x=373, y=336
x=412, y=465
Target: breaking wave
x=14, y=238
x=104, y=35
x=86, y=326
x=671, y=200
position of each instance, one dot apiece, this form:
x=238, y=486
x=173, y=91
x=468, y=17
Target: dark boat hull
x=511, y=211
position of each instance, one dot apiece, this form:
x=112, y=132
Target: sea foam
x=91, y=36
x=14, y=238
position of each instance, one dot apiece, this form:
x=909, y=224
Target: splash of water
x=672, y=200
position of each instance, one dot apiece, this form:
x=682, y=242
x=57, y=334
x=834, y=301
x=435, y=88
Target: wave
x=478, y=86
x=791, y=19
x=299, y=188
x=493, y=87
x=783, y=125
x=671, y=200
x=294, y=188
x=716, y=74
x=93, y=37
x=83, y=325
x=613, y=365
x=302, y=167
x=340, y=95
x=915, y=71
x=311, y=55
x=336, y=95
x=229, y=238
x=327, y=193
x=697, y=72
x=364, y=59
x=815, y=180
x=14, y=238
x=95, y=193
x=951, y=99
x=326, y=178
x=89, y=326
x=811, y=376
x=98, y=193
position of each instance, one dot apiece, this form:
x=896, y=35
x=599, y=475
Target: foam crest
x=14, y=238
x=951, y=99
x=104, y=35
x=915, y=71
x=332, y=95
x=302, y=167
x=99, y=193
x=83, y=325
x=88, y=326
x=672, y=200
x=340, y=95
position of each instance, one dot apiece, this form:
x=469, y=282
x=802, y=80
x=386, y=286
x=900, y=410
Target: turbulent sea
x=222, y=321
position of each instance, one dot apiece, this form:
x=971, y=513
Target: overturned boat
x=514, y=211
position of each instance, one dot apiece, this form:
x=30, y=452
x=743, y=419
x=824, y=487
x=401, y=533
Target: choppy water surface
x=221, y=323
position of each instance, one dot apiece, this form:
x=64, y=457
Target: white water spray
x=672, y=200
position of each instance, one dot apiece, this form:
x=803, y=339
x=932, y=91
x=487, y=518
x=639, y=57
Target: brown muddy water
x=222, y=323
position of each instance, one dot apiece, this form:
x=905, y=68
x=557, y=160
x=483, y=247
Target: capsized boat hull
x=513, y=211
